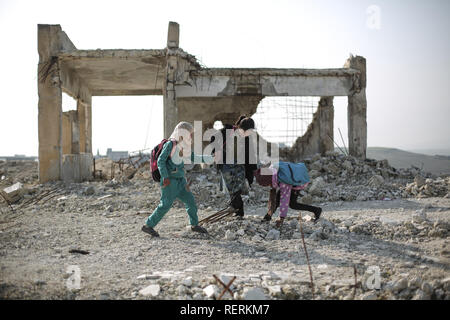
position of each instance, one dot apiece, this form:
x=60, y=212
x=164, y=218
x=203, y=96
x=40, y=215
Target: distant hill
x=436, y=164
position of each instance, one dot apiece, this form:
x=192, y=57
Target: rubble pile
x=419, y=227
x=424, y=188
x=23, y=171
x=338, y=177
x=406, y=237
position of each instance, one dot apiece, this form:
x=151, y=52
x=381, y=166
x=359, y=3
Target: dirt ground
x=392, y=248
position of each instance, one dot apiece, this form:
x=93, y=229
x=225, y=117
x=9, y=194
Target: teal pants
x=176, y=189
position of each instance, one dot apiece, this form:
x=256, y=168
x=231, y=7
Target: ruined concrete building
x=190, y=92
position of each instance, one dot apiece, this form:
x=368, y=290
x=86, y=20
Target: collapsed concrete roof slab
x=270, y=82
x=118, y=72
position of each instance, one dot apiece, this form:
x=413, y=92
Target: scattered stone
x=400, y=285
x=369, y=296
x=187, y=282
x=230, y=235
x=254, y=293
x=376, y=181
x=152, y=290
x=211, y=291
x=273, y=234
x=420, y=295
x=13, y=193
x=89, y=191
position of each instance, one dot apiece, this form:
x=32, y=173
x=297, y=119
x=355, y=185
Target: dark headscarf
x=264, y=180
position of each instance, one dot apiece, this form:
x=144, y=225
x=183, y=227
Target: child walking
x=173, y=182
x=283, y=195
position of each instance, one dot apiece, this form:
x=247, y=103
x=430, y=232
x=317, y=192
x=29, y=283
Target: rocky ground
x=384, y=229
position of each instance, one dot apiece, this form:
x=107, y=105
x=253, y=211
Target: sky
x=405, y=42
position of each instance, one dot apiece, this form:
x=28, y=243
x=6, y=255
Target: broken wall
x=318, y=138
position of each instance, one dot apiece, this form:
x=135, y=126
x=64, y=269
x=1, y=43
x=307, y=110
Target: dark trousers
x=274, y=202
x=237, y=203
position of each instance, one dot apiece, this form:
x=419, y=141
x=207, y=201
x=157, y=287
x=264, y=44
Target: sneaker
x=150, y=231
x=317, y=215
x=266, y=218
x=199, y=229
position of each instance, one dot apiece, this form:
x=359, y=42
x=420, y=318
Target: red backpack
x=156, y=175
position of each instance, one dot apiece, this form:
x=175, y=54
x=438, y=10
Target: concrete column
x=169, y=94
x=66, y=133
x=81, y=110
x=326, y=124
x=75, y=127
x=88, y=126
x=50, y=104
x=357, y=110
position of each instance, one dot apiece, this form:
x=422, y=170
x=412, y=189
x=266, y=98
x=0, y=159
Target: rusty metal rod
x=307, y=257
x=226, y=286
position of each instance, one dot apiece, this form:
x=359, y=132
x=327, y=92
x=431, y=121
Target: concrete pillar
x=88, y=126
x=326, y=124
x=81, y=110
x=66, y=133
x=357, y=110
x=169, y=94
x=50, y=104
x=84, y=117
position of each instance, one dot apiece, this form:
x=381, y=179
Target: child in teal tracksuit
x=173, y=182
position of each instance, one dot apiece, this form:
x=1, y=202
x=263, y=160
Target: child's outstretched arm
x=202, y=158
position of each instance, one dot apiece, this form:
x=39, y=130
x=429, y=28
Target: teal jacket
x=168, y=169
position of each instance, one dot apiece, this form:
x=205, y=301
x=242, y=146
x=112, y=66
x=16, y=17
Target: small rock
x=230, y=235
x=369, y=296
x=152, y=290
x=181, y=290
x=376, y=181
x=296, y=235
x=273, y=234
x=211, y=291
x=89, y=191
x=275, y=290
x=197, y=296
x=400, y=285
x=427, y=288
x=256, y=237
x=254, y=293
x=415, y=282
x=420, y=295
x=317, y=186
x=187, y=282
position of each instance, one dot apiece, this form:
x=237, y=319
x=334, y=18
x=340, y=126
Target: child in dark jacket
x=283, y=195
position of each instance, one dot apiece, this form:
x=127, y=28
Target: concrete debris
x=13, y=193
x=211, y=291
x=254, y=293
x=406, y=237
x=273, y=234
x=151, y=290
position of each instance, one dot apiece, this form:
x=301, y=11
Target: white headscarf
x=182, y=129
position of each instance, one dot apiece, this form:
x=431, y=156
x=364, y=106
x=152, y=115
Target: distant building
x=17, y=157
x=116, y=155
